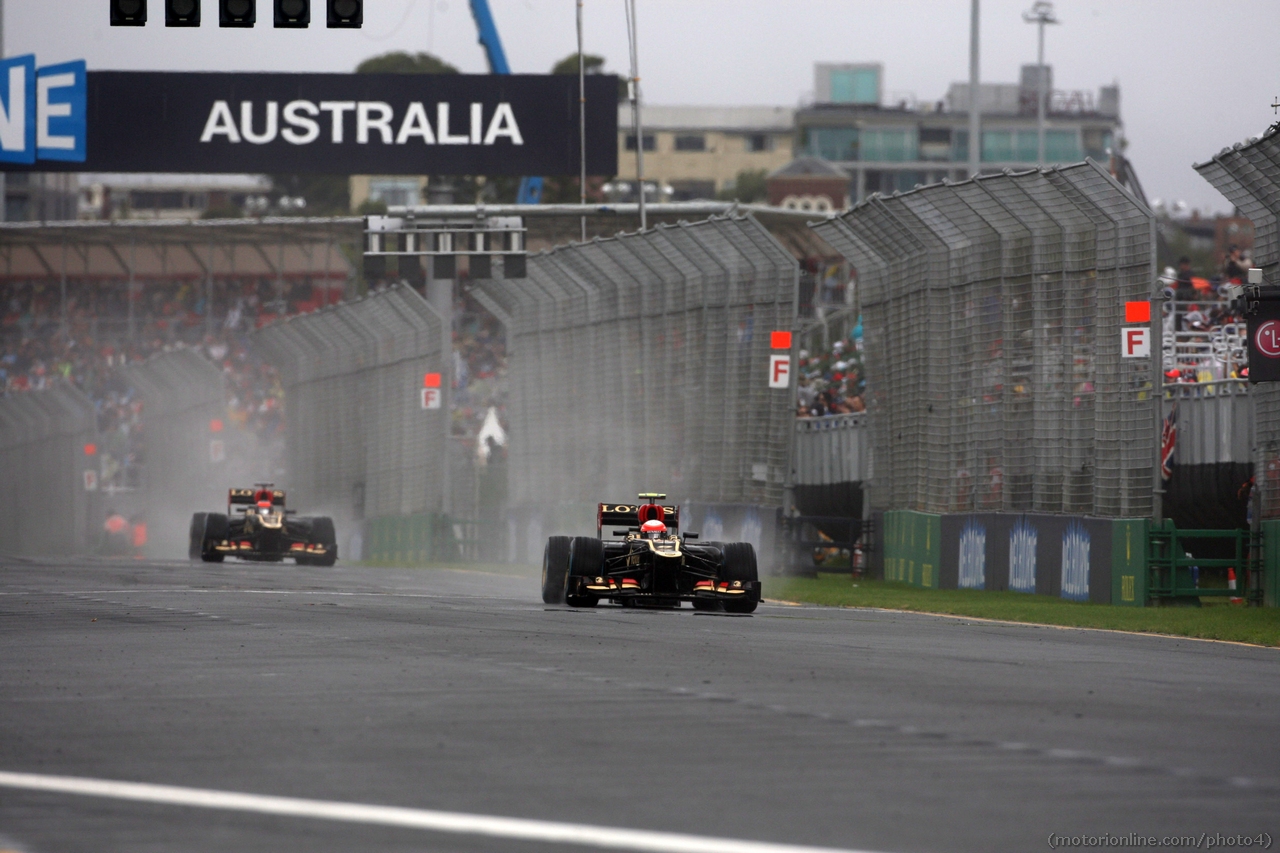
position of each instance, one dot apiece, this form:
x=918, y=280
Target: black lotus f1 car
x=257, y=527
x=650, y=564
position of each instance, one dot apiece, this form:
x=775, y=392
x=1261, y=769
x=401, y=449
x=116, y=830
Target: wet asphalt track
x=460, y=691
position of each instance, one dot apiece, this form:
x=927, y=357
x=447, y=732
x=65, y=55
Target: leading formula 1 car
x=257, y=527
x=651, y=564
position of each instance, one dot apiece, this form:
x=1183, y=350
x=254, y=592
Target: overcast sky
x=1195, y=76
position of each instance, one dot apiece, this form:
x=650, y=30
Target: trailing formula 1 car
x=651, y=564
x=257, y=527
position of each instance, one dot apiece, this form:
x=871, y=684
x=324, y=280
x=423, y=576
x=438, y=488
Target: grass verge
x=1214, y=621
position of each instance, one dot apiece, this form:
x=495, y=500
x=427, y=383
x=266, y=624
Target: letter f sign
x=779, y=371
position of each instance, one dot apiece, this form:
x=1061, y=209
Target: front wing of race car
x=640, y=571
x=308, y=540
x=272, y=549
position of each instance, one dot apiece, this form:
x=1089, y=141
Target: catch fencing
x=359, y=444
x=49, y=499
x=1249, y=176
x=184, y=443
x=640, y=363
x=992, y=313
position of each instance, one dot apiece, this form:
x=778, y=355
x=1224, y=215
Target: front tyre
x=555, y=567
x=323, y=533
x=216, y=529
x=195, y=536
x=586, y=554
x=740, y=565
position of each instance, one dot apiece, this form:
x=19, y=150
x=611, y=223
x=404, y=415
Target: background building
x=809, y=183
x=697, y=152
x=895, y=145
x=160, y=196
x=40, y=196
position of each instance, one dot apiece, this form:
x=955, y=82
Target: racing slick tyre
x=555, y=566
x=586, y=553
x=706, y=606
x=195, y=536
x=739, y=565
x=215, y=530
x=322, y=533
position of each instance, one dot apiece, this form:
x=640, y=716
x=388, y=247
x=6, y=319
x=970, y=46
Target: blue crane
x=530, y=188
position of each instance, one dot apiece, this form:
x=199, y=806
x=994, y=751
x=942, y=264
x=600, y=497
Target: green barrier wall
x=912, y=547
x=1271, y=563
x=1129, y=561
x=410, y=540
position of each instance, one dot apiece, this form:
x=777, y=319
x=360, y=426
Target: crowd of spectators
x=831, y=380
x=1200, y=305
x=86, y=340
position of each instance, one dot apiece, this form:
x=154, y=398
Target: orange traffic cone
x=1231, y=584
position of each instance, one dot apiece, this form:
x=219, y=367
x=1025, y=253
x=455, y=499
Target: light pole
x=975, y=102
x=1041, y=13
x=634, y=92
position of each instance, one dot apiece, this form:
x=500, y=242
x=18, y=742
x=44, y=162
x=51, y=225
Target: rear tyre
x=195, y=536
x=740, y=565
x=555, y=566
x=322, y=533
x=586, y=553
x=216, y=528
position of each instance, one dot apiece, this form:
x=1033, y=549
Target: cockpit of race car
x=648, y=562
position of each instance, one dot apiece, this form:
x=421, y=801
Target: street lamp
x=1041, y=13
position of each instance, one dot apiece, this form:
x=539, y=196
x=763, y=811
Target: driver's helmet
x=263, y=499
x=653, y=529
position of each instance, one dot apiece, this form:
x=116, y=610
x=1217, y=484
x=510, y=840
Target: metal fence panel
x=992, y=329
x=358, y=442
x=1249, y=176
x=46, y=505
x=182, y=394
x=639, y=363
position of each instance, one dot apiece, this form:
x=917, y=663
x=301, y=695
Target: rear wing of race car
x=245, y=496
x=628, y=515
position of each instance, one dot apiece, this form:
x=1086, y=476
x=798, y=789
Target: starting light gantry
x=239, y=13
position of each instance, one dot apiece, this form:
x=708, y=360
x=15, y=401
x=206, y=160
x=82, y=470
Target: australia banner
x=64, y=118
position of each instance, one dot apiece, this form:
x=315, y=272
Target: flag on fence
x=1168, y=442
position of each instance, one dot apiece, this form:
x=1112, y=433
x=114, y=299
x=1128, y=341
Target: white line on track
x=519, y=829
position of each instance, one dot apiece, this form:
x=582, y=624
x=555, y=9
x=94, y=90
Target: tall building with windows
x=888, y=142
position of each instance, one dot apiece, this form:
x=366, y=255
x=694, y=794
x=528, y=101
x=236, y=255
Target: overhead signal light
x=293, y=13
x=237, y=13
x=182, y=13
x=128, y=13
x=346, y=13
